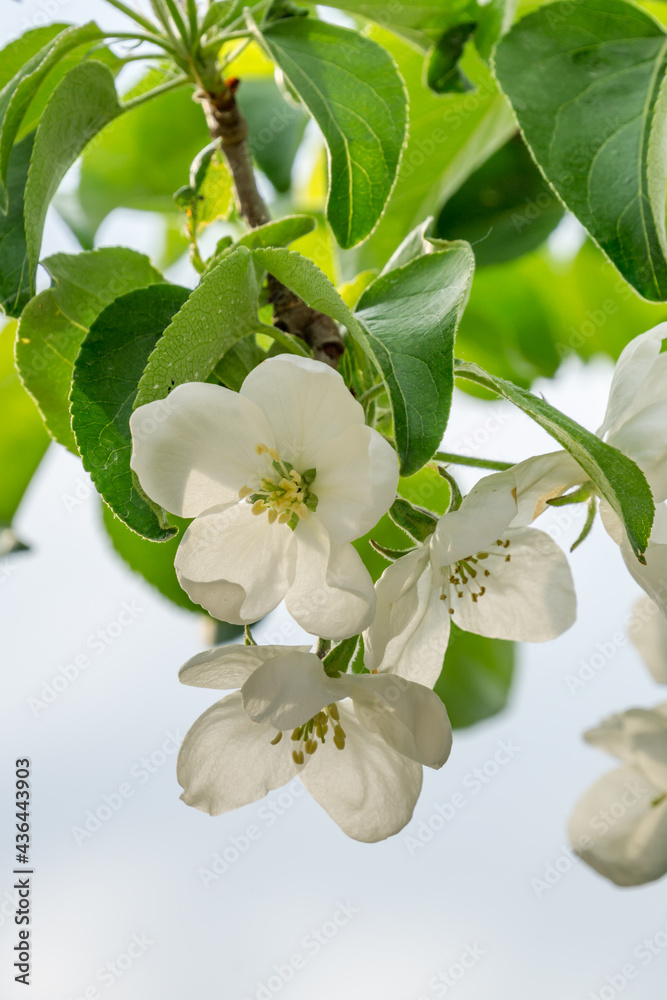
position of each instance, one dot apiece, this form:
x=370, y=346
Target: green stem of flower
x=193, y=20
x=372, y=393
x=177, y=18
x=137, y=18
x=247, y=637
x=258, y=8
x=158, y=40
x=179, y=81
x=286, y=341
x=456, y=497
x=475, y=463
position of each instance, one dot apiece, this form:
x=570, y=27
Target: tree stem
x=476, y=463
x=290, y=313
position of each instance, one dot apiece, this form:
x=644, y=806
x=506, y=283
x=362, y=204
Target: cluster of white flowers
x=280, y=479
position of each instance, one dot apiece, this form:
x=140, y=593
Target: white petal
x=531, y=598
x=542, y=478
x=332, y=594
x=410, y=632
x=651, y=577
x=638, y=737
x=648, y=632
x=227, y=667
x=357, y=476
x=227, y=760
x=644, y=439
x=368, y=789
x=287, y=691
x=235, y=564
x=618, y=831
x=307, y=404
x=409, y=717
x=632, y=368
x=482, y=517
x=196, y=448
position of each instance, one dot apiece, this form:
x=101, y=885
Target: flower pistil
x=285, y=494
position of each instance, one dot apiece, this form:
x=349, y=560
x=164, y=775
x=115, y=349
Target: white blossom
x=619, y=826
x=280, y=477
x=357, y=742
x=476, y=570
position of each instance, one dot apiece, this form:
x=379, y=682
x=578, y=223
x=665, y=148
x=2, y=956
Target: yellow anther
x=273, y=516
x=339, y=732
x=297, y=756
x=311, y=746
x=261, y=449
x=302, y=511
x=244, y=492
x=284, y=517
x=296, y=476
x=276, y=739
x=333, y=712
x=258, y=507
x=274, y=454
x=296, y=734
x=339, y=741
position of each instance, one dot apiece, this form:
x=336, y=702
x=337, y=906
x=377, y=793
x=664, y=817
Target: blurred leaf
x=20, y=50
x=444, y=75
x=55, y=322
x=279, y=233
x=17, y=94
x=275, y=128
x=80, y=106
x=351, y=87
x=586, y=87
x=476, y=677
x=24, y=439
x=238, y=362
x=616, y=477
x=106, y=375
x=211, y=188
x=450, y=135
x=426, y=488
x=221, y=311
x=505, y=209
x=14, y=267
x=135, y=162
x=155, y=562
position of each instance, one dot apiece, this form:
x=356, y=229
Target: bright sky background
x=394, y=919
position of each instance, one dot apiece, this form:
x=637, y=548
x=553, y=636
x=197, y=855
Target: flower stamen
x=285, y=494
x=312, y=733
x=461, y=575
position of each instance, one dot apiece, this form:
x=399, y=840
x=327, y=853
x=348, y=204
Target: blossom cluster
x=280, y=479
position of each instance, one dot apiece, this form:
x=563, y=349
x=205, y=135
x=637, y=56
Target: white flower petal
x=287, y=691
x=227, y=761
x=357, y=476
x=196, y=448
x=307, y=404
x=368, y=789
x=531, y=598
x=409, y=717
x=638, y=737
x=482, y=517
x=619, y=831
x=644, y=439
x=632, y=369
x=651, y=577
x=648, y=632
x=410, y=632
x=235, y=564
x=227, y=667
x=542, y=478
x=332, y=594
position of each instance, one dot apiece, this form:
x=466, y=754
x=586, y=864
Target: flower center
x=284, y=494
x=464, y=579
x=312, y=733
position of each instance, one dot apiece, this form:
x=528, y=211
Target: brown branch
x=290, y=313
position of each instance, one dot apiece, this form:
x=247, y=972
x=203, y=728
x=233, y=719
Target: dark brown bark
x=290, y=313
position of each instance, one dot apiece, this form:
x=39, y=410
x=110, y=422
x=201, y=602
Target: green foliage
x=14, y=267
x=107, y=371
x=221, y=311
x=586, y=85
x=416, y=523
x=505, y=209
x=210, y=194
x=23, y=440
x=618, y=479
x=351, y=87
x=444, y=74
x=476, y=677
x=80, y=106
x=275, y=128
x=54, y=324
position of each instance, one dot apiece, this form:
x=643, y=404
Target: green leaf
x=476, y=677
x=338, y=659
x=54, y=324
x=450, y=136
x=416, y=523
x=24, y=440
x=238, y=362
x=444, y=75
x=411, y=315
x=20, y=50
x=353, y=90
x=18, y=92
x=505, y=209
x=275, y=128
x=587, y=87
x=154, y=562
x=426, y=488
x=107, y=371
x=422, y=22
x=221, y=311
x=211, y=188
x=279, y=233
x=80, y=106
x=14, y=269
x=618, y=479
x=406, y=322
